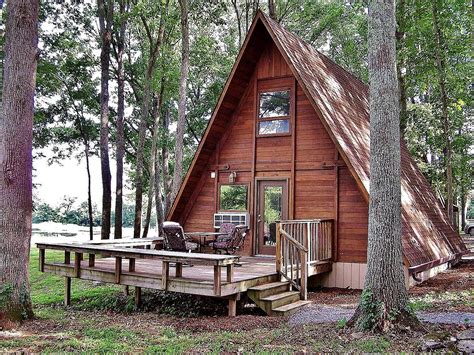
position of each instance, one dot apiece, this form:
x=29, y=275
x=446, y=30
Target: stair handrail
x=292, y=255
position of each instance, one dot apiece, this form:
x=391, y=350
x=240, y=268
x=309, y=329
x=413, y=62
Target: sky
x=53, y=182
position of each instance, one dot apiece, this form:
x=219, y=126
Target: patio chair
x=232, y=244
x=228, y=229
x=175, y=239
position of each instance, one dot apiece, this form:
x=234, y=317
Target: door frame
x=255, y=207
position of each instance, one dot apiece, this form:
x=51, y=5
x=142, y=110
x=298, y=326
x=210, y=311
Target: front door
x=272, y=205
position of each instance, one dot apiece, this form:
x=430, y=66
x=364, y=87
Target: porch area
x=276, y=284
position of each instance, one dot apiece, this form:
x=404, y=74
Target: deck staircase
x=303, y=249
x=276, y=299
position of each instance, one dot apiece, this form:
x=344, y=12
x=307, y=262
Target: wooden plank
x=67, y=257
x=131, y=265
x=232, y=306
x=67, y=291
x=118, y=269
x=194, y=258
x=230, y=273
x=179, y=270
x=91, y=260
x=165, y=274
x=217, y=280
x=41, y=259
x=138, y=296
x=278, y=254
x=77, y=264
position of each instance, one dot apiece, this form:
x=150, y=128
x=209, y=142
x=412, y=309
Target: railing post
x=316, y=238
x=304, y=276
x=278, y=248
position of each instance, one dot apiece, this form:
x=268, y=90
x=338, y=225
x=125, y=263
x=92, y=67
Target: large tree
x=105, y=24
x=384, y=300
x=179, y=145
x=120, y=152
x=16, y=135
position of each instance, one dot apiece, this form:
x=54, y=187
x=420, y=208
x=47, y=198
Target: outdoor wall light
x=232, y=177
x=213, y=174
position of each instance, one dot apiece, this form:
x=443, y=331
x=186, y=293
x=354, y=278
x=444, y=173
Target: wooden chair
x=231, y=245
x=175, y=239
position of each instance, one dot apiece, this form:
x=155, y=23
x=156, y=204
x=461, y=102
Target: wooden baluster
x=91, y=260
x=278, y=249
x=67, y=257
x=77, y=264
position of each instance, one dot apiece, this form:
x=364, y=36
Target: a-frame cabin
x=289, y=140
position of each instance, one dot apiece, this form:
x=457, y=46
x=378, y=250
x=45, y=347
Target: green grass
x=48, y=289
x=101, y=321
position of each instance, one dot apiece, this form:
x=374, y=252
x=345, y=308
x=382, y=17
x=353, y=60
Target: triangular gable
x=341, y=100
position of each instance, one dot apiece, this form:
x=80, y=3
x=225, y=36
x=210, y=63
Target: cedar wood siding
x=319, y=189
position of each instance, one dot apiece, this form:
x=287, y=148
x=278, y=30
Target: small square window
x=274, y=112
x=274, y=104
x=274, y=127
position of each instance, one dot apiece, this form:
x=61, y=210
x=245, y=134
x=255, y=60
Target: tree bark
x=272, y=10
x=16, y=136
x=120, y=121
x=401, y=63
x=441, y=69
x=178, y=151
x=384, y=300
x=152, y=166
x=155, y=45
x=105, y=24
x=165, y=157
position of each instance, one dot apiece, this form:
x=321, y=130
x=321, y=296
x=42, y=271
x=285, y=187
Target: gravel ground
x=314, y=313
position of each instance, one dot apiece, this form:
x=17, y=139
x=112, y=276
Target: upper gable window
x=274, y=112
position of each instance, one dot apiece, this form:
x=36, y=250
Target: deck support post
x=77, y=264
x=41, y=260
x=131, y=265
x=179, y=270
x=118, y=269
x=165, y=274
x=91, y=260
x=217, y=280
x=232, y=306
x=138, y=296
x=67, y=257
x=230, y=273
x=67, y=291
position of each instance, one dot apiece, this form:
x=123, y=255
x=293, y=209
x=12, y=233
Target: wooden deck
x=198, y=274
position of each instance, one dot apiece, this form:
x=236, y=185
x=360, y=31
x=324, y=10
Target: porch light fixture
x=213, y=174
x=232, y=177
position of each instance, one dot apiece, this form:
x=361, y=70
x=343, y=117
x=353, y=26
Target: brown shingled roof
x=341, y=100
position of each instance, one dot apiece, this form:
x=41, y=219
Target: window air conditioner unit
x=231, y=217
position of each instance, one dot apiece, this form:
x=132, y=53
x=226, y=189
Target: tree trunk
x=105, y=23
x=401, y=63
x=155, y=46
x=272, y=10
x=178, y=151
x=120, y=121
x=384, y=299
x=152, y=166
x=440, y=67
x=89, y=192
x=165, y=165
x=16, y=135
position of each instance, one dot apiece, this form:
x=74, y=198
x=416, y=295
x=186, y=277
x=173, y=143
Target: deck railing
x=300, y=245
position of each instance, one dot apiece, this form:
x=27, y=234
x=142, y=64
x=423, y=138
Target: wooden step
x=280, y=299
x=289, y=309
x=269, y=289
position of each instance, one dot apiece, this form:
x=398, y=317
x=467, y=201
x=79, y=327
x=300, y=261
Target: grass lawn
x=103, y=319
